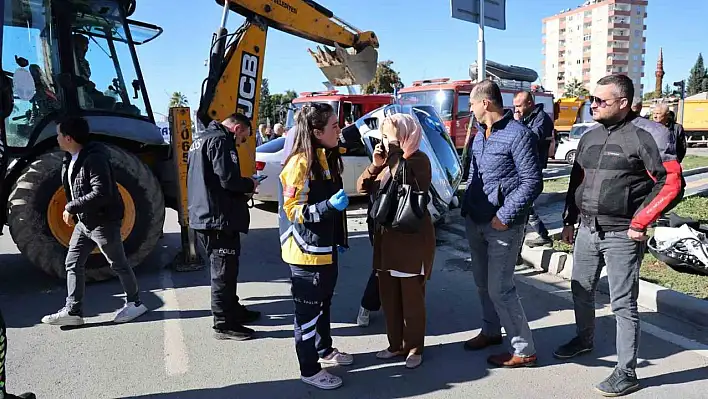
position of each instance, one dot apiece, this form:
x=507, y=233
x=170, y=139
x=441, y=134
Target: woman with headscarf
x=403, y=261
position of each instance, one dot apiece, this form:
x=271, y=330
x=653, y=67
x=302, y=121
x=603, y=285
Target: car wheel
x=570, y=157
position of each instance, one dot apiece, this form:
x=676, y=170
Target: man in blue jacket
x=535, y=118
x=504, y=179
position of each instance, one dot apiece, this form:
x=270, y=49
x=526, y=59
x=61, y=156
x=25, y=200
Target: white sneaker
x=363, y=319
x=323, y=380
x=63, y=318
x=130, y=312
x=337, y=358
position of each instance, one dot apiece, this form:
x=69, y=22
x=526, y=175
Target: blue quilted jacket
x=505, y=177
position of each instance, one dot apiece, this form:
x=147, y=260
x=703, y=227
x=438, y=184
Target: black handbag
x=411, y=205
x=385, y=202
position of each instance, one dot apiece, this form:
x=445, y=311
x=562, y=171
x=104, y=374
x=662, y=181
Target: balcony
x=619, y=25
x=620, y=13
x=618, y=50
x=618, y=38
x=617, y=62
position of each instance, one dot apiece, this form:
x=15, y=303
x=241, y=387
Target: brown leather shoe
x=507, y=360
x=482, y=341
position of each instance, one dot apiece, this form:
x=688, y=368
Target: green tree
x=650, y=96
x=667, y=91
x=279, y=102
x=178, y=100
x=575, y=88
x=698, y=78
x=385, y=80
x=265, y=108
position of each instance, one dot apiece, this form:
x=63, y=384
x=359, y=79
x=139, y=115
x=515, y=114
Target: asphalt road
x=169, y=352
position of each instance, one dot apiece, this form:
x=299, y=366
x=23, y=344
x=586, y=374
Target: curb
x=651, y=296
x=695, y=171
x=547, y=198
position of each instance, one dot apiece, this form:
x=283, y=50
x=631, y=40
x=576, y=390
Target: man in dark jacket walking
x=535, y=118
x=661, y=114
x=504, y=179
x=620, y=183
x=95, y=209
x=218, y=211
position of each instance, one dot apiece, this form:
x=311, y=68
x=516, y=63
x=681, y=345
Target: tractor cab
x=75, y=56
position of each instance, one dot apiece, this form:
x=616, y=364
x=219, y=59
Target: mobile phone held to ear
x=259, y=178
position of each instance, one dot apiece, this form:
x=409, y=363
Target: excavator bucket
x=346, y=67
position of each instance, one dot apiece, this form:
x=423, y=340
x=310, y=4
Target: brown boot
x=507, y=360
x=482, y=341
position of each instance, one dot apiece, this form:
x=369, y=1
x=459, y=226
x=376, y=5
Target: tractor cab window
x=103, y=65
x=30, y=59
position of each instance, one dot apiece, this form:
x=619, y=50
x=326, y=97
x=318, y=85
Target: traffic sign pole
x=481, y=61
x=491, y=13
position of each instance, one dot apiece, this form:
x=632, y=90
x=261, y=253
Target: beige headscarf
x=407, y=131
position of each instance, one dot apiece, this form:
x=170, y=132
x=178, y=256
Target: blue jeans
x=623, y=256
x=312, y=290
x=494, y=256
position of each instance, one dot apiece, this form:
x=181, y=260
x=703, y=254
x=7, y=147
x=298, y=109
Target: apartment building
x=598, y=38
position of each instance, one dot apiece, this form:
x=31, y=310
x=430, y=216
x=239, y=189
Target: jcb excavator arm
x=236, y=61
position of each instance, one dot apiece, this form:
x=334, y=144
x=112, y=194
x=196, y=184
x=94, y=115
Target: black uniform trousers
x=371, y=300
x=312, y=290
x=223, y=248
x=3, y=354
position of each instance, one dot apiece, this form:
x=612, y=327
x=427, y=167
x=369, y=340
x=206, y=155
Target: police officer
x=3, y=353
x=218, y=211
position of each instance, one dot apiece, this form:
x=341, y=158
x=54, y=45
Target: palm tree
x=178, y=100
x=575, y=88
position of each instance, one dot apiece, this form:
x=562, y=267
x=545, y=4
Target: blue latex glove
x=339, y=201
x=342, y=249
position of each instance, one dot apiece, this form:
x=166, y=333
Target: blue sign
x=468, y=10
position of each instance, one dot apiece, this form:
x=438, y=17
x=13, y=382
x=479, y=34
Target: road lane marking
x=176, y=357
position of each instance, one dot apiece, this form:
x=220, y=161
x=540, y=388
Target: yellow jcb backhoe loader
x=78, y=57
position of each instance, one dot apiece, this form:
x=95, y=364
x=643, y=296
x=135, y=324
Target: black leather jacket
x=91, y=190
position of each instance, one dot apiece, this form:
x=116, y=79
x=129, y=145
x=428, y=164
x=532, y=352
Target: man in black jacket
x=662, y=114
x=535, y=118
x=95, y=209
x=623, y=178
x=218, y=211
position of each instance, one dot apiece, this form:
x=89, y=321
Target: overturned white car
x=436, y=143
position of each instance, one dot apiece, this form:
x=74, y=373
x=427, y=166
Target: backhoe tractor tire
x=37, y=202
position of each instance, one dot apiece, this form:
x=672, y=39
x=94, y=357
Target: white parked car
x=269, y=158
x=568, y=145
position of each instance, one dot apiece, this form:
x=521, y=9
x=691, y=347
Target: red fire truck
x=349, y=107
x=452, y=101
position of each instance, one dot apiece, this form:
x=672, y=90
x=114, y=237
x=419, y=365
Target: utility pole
x=681, y=85
x=481, y=60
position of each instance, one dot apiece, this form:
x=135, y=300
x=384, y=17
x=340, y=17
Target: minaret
x=660, y=73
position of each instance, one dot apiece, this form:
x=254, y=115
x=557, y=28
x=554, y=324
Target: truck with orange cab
x=349, y=107
x=451, y=99
x=571, y=110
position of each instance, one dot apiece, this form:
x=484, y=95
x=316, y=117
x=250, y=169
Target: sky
x=419, y=36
